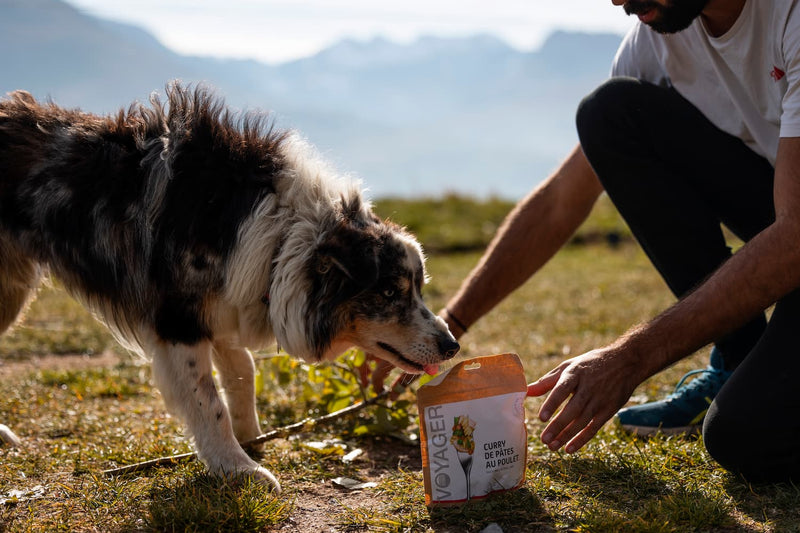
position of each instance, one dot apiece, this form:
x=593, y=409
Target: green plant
x=321, y=389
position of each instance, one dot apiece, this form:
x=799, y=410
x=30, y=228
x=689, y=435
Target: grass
x=456, y=223
x=55, y=325
x=77, y=420
x=452, y=223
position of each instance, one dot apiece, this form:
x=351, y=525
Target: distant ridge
x=469, y=115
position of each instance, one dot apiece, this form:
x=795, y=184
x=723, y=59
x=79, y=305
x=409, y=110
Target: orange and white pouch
x=472, y=430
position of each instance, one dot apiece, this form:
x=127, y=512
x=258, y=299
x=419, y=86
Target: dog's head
x=367, y=277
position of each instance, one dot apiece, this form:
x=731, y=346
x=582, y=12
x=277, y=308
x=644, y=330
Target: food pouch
x=472, y=429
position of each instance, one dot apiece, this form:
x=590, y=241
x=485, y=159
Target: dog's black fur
x=97, y=201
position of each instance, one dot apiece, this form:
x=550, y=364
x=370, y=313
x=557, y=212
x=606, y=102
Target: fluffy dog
x=194, y=233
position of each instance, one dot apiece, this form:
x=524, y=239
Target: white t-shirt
x=746, y=82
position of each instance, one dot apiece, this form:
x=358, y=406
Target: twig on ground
x=278, y=433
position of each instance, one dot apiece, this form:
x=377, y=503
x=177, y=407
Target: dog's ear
x=351, y=250
x=345, y=263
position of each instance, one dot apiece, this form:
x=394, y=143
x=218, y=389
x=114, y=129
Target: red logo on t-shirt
x=777, y=73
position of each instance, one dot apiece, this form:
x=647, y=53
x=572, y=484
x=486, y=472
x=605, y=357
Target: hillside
x=469, y=115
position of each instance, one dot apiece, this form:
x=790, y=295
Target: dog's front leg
x=237, y=377
x=183, y=375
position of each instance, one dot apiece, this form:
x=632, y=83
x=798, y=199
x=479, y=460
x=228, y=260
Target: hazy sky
x=279, y=30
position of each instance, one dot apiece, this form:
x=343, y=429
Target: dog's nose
x=448, y=347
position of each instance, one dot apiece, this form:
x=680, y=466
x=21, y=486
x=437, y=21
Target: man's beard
x=676, y=16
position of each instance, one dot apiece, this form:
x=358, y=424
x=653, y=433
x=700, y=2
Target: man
x=698, y=126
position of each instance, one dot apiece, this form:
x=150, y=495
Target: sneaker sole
x=644, y=431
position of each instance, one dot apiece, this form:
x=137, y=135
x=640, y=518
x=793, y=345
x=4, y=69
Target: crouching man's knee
x=746, y=447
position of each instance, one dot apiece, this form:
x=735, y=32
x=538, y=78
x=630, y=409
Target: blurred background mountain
x=471, y=116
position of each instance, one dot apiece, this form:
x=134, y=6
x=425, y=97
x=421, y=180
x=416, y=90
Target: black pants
x=676, y=178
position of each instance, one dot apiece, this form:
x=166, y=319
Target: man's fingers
x=570, y=426
x=382, y=370
x=579, y=429
x=561, y=387
x=585, y=435
x=364, y=373
x=401, y=383
x=565, y=424
x=544, y=384
x=582, y=394
x=376, y=377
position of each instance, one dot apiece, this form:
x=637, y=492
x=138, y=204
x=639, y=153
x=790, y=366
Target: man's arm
x=530, y=235
x=595, y=385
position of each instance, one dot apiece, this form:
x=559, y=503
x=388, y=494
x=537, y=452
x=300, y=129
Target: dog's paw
x=260, y=475
x=265, y=477
x=246, y=467
x=8, y=436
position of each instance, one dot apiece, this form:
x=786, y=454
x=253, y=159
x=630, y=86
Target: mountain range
x=467, y=115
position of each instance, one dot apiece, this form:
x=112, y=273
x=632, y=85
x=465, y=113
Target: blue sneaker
x=682, y=412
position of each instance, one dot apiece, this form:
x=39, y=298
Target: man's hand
x=376, y=378
x=593, y=385
x=596, y=384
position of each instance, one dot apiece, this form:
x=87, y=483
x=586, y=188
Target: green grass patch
x=451, y=223
x=122, y=382
x=55, y=324
x=458, y=223
x=206, y=503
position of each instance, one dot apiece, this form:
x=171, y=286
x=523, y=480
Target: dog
x=196, y=233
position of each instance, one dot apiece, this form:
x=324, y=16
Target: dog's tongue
x=431, y=369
